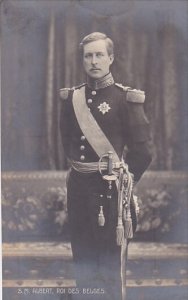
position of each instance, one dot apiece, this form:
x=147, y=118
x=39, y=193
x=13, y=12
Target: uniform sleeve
x=139, y=154
x=65, y=128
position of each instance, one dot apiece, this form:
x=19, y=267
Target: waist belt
x=92, y=167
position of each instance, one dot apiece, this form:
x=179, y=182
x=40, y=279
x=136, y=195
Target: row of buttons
x=90, y=100
x=82, y=147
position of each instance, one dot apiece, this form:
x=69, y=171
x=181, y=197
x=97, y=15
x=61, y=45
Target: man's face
x=96, y=60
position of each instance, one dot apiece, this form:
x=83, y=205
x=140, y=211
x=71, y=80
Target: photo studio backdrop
x=39, y=56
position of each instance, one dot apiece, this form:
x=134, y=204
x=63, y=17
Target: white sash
x=90, y=128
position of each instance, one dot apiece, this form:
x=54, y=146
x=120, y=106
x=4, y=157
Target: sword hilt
x=110, y=176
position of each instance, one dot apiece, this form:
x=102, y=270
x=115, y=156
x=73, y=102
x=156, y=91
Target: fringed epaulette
x=133, y=95
x=64, y=93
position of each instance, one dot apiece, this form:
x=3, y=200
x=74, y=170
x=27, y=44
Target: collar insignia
x=100, y=83
x=104, y=107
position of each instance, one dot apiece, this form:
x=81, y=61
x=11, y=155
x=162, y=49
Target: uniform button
x=89, y=100
x=83, y=138
x=82, y=147
x=82, y=157
x=93, y=92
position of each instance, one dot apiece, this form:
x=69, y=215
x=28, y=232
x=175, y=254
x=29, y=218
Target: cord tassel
x=101, y=218
x=120, y=228
x=128, y=226
x=119, y=232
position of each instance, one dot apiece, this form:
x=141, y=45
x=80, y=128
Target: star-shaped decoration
x=104, y=107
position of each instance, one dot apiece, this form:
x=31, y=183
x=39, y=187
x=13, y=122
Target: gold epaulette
x=133, y=95
x=64, y=93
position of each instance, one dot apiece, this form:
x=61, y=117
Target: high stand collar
x=100, y=83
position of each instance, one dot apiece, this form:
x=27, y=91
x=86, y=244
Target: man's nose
x=94, y=60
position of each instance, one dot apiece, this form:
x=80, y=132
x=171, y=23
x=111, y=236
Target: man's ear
x=111, y=58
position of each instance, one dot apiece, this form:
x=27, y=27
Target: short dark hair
x=95, y=36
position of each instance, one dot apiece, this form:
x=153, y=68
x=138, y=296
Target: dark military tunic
x=99, y=262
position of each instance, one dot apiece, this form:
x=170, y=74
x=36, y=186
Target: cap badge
x=104, y=107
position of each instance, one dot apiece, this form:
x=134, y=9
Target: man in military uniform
x=106, y=138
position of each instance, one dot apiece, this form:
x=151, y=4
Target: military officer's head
x=98, y=54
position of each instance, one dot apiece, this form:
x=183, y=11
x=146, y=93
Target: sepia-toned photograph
x=94, y=160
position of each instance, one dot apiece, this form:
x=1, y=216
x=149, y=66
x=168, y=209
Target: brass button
x=93, y=92
x=82, y=147
x=89, y=101
x=82, y=157
x=83, y=138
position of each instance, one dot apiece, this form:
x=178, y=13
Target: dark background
x=40, y=55
x=39, y=42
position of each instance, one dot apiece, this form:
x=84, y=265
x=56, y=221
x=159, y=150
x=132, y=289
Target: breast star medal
x=104, y=107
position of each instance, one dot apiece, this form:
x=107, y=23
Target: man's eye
x=88, y=55
x=99, y=54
